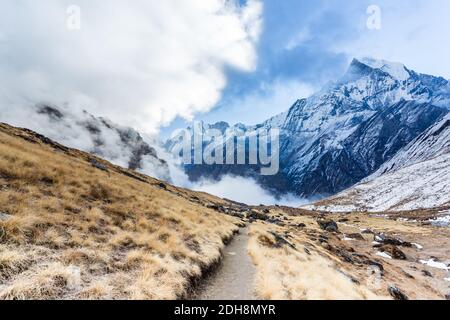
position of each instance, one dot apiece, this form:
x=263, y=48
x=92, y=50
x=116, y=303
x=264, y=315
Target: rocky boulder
x=397, y=294
x=393, y=251
x=388, y=240
x=328, y=225
x=2, y=234
x=256, y=215
x=356, y=236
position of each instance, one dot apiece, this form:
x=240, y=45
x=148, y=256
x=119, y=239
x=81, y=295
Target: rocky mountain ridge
x=346, y=131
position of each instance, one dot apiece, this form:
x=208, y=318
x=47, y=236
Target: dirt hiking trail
x=234, y=278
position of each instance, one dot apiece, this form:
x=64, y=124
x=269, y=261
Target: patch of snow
x=384, y=255
x=384, y=216
x=434, y=264
x=441, y=221
x=418, y=246
x=375, y=243
x=406, y=220
x=347, y=239
x=332, y=208
x=4, y=216
x=447, y=279
x=377, y=238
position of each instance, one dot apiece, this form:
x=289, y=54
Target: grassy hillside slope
x=75, y=226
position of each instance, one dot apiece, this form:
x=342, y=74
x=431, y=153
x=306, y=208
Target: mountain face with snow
x=378, y=139
x=432, y=143
x=423, y=185
x=346, y=131
x=417, y=177
x=122, y=146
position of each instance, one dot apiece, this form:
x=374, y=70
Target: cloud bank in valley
x=245, y=190
x=139, y=65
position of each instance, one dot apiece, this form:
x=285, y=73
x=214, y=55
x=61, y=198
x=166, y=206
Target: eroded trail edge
x=234, y=278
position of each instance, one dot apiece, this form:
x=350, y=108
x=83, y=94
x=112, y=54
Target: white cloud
x=259, y=105
x=139, y=64
x=248, y=192
x=298, y=39
x=414, y=33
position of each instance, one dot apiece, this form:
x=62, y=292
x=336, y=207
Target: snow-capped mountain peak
x=397, y=70
x=346, y=131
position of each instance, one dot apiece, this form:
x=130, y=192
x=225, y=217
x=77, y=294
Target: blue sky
x=306, y=43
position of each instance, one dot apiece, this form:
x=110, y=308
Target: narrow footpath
x=234, y=278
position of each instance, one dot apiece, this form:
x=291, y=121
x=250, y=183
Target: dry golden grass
x=78, y=232
x=292, y=274
x=310, y=263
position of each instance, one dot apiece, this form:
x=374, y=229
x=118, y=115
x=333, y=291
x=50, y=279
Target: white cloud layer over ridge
x=139, y=64
x=245, y=190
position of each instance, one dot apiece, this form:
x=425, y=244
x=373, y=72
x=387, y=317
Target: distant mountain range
x=345, y=132
x=367, y=129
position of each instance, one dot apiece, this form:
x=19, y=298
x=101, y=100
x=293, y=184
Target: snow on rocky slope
x=430, y=144
x=418, y=177
x=420, y=186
